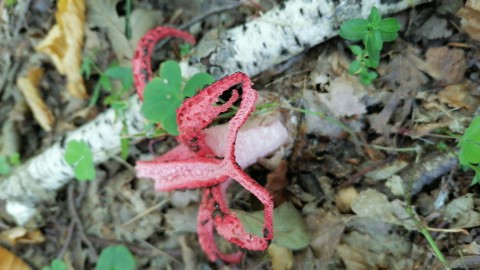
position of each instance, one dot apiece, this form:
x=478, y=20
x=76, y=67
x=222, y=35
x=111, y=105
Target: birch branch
x=278, y=35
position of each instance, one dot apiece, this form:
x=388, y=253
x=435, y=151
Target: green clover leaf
x=79, y=156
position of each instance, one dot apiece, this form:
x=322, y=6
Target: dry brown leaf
x=104, y=14
x=29, y=88
x=403, y=71
x=451, y=64
x=462, y=212
x=472, y=248
x=326, y=230
x=344, y=97
x=281, y=257
x=352, y=258
x=10, y=261
x=375, y=206
x=457, y=95
x=277, y=183
x=21, y=235
x=434, y=28
x=470, y=15
x=64, y=44
x=404, y=74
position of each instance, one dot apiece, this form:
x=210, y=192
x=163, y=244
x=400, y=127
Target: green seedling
x=112, y=258
x=117, y=97
x=116, y=258
x=164, y=94
x=7, y=162
x=469, y=155
x=80, y=157
x=56, y=265
x=373, y=31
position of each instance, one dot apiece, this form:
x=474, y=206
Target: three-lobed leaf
x=79, y=155
x=196, y=83
x=171, y=75
x=163, y=95
x=116, y=258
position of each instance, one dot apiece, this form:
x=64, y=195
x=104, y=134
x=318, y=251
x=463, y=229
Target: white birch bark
x=278, y=35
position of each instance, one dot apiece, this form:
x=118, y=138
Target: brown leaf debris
x=29, y=88
x=470, y=15
x=64, y=44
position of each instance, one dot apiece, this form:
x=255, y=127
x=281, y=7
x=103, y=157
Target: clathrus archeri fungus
x=193, y=163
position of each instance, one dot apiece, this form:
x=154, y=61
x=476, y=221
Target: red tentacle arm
x=142, y=60
x=193, y=164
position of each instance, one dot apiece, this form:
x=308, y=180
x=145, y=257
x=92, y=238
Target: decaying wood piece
x=278, y=35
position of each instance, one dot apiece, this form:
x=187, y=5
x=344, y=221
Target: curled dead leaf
x=29, y=88
x=64, y=43
x=10, y=261
x=21, y=235
x=344, y=199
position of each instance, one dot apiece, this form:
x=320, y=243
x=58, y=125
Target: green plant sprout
x=112, y=258
x=469, y=154
x=80, y=157
x=7, y=162
x=373, y=32
x=56, y=265
x=116, y=258
x=118, y=96
x=423, y=229
x=164, y=94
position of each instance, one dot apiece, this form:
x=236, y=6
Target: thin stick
x=146, y=212
x=76, y=219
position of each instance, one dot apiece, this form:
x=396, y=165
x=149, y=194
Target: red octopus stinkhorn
x=193, y=164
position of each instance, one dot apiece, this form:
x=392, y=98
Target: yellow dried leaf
x=29, y=88
x=64, y=44
x=10, y=261
x=21, y=235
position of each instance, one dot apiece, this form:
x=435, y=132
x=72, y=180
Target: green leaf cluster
x=56, y=265
x=112, y=258
x=116, y=258
x=117, y=97
x=164, y=94
x=80, y=157
x=469, y=155
x=373, y=32
x=7, y=162
x=289, y=227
